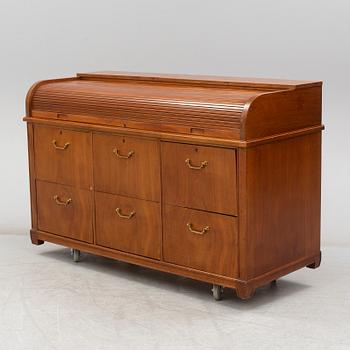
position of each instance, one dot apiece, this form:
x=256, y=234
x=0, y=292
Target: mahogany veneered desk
x=212, y=178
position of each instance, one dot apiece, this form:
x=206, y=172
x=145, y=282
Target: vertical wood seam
x=161, y=199
x=242, y=213
x=93, y=200
x=32, y=176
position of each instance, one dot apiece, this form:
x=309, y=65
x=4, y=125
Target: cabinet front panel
x=63, y=156
x=65, y=211
x=200, y=240
x=127, y=166
x=128, y=224
x=199, y=177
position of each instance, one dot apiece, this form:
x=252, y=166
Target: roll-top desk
x=212, y=178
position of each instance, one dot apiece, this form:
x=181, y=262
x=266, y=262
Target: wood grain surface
x=139, y=234
x=214, y=251
x=281, y=204
x=69, y=166
x=136, y=176
x=73, y=220
x=211, y=188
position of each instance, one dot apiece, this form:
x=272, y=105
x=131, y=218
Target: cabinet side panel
x=283, y=203
x=283, y=111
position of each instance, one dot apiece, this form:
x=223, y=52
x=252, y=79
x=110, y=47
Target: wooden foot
x=316, y=263
x=34, y=238
x=244, y=291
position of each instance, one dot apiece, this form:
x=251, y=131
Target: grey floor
x=49, y=302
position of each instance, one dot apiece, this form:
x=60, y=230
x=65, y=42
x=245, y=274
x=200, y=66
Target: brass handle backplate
x=59, y=202
x=196, y=167
x=117, y=153
x=54, y=142
x=191, y=229
x=124, y=216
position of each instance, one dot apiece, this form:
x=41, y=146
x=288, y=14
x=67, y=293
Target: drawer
x=199, y=177
x=65, y=211
x=127, y=166
x=63, y=156
x=200, y=240
x=128, y=224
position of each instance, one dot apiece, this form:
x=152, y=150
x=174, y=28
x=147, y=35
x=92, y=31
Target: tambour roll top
x=225, y=108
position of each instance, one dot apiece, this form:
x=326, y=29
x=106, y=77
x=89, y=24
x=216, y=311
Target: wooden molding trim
x=163, y=136
x=222, y=81
x=283, y=136
x=243, y=288
x=39, y=236
x=281, y=271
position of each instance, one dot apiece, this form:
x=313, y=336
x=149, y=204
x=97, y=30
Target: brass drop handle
x=124, y=216
x=59, y=202
x=191, y=229
x=54, y=142
x=117, y=153
x=196, y=167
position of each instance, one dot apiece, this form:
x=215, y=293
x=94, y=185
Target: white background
x=279, y=39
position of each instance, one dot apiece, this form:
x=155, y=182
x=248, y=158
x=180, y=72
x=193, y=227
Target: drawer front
x=63, y=156
x=128, y=224
x=127, y=166
x=199, y=177
x=65, y=211
x=200, y=240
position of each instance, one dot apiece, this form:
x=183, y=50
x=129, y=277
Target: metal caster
x=76, y=255
x=217, y=291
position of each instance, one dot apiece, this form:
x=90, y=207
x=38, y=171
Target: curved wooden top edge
x=258, y=83
x=35, y=86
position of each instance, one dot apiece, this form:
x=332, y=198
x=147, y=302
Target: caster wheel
x=76, y=255
x=217, y=292
x=273, y=283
